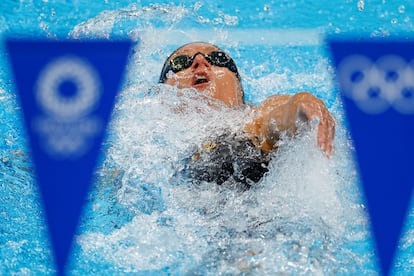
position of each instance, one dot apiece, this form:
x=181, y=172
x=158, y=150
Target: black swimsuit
x=229, y=157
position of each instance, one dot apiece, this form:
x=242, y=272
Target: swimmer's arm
x=281, y=113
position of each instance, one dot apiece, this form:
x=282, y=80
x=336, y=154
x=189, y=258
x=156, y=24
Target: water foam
x=293, y=220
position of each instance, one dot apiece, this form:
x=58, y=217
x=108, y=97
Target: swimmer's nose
x=200, y=61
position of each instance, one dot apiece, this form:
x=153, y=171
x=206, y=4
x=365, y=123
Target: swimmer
x=209, y=70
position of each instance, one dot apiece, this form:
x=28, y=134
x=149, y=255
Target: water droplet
x=401, y=9
x=197, y=6
x=361, y=5
x=217, y=21
x=230, y=20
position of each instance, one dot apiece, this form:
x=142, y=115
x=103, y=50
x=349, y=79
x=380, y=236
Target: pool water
x=307, y=216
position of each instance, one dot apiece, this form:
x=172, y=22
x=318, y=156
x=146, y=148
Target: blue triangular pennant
x=67, y=91
x=376, y=79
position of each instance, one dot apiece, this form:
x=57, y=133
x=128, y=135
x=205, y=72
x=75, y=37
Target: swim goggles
x=215, y=58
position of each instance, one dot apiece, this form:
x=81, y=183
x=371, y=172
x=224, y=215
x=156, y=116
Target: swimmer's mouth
x=200, y=80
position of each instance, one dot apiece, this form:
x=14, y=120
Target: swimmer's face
x=217, y=82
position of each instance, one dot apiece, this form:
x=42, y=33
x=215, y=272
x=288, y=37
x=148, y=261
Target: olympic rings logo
x=77, y=72
x=377, y=86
